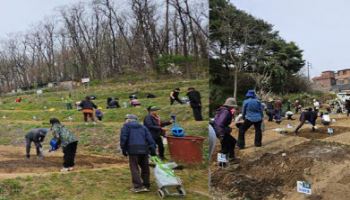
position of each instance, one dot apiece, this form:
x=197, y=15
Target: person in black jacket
x=36, y=136
x=347, y=107
x=307, y=115
x=137, y=142
x=195, y=101
x=112, y=103
x=156, y=127
x=174, y=96
x=88, y=109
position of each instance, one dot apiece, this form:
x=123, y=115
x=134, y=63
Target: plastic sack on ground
x=164, y=173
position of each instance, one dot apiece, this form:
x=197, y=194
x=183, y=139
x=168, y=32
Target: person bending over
x=36, y=136
x=307, y=115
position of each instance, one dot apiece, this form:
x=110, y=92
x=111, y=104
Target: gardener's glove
x=125, y=153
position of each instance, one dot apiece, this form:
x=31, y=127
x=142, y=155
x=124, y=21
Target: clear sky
x=320, y=27
x=19, y=15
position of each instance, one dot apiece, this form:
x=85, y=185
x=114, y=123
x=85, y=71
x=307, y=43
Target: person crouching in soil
x=223, y=118
x=68, y=141
x=136, y=142
x=36, y=136
x=307, y=115
x=88, y=109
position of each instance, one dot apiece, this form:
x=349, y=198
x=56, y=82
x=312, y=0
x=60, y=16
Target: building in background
x=332, y=81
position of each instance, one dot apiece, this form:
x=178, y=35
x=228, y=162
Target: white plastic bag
x=164, y=178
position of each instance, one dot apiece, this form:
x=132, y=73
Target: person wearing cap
x=316, y=105
x=252, y=115
x=156, y=126
x=36, y=136
x=222, y=121
x=307, y=115
x=196, y=104
x=68, y=141
x=297, y=106
x=278, y=110
x=88, y=109
x=174, y=96
x=137, y=143
x=270, y=109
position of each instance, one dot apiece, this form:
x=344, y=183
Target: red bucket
x=188, y=149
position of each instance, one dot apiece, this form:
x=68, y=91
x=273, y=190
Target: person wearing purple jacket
x=223, y=119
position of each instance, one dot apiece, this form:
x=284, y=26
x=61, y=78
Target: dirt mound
x=271, y=174
x=50, y=164
x=321, y=132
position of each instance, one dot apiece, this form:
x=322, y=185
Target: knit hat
x=230, y=102
x=250, y=94
x=131, y=116
x=153, y=108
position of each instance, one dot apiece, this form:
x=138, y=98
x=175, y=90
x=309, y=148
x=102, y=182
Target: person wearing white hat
x=316, y=105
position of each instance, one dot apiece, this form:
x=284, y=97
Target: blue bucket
x=53, y=144
x=177, y=131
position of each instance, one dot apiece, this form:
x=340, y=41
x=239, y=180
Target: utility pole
x=308, y=65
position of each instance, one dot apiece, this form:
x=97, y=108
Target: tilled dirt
x=269, y=176
x=12, y=161
x=320, y=133
x=21, y=165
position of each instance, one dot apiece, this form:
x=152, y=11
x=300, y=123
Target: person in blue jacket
x=252, y=115
x=136, y=142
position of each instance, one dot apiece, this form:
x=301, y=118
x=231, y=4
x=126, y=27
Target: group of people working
x=194, y=99
x=251, y=114
x=63, y=137
x=137, y=141
x=90, y=109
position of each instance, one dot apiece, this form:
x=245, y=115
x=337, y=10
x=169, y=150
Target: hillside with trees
x=106, y=39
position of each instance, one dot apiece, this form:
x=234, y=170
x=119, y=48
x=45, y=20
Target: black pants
x=348, y=112
x=160, y=146
x=69, y=154
x=197, y=113
x=269, y=113
x=176, y=99
x=99, y=118
x=137, y=162
x=28, y=146
x=228, y=144
x=302, y=122
x=246, y=125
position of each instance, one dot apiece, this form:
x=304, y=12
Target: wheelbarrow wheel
x=181, y=191
x=161, y=193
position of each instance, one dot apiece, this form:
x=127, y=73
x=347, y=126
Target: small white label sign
x=85, y=80
x=303, y=187
x=222, y=158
